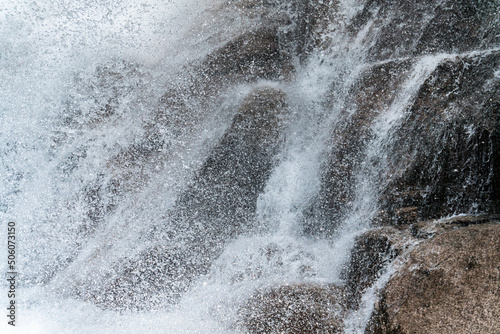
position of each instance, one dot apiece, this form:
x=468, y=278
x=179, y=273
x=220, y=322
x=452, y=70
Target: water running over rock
x=250, y=166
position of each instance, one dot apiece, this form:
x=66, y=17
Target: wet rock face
x=414, y=28
x=155, y=277
x=372, y=93
x=449, y=144
x=304, y=308
x=106, y=92
x=312, y=20
x=443, y=158
x=371, y=254
x=445, y=154
x=449, y=284
x=460, y=26
x=446, y=159
x=222, y=196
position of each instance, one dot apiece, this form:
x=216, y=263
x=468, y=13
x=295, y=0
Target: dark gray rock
x=415, y=28
x=224, y=193
x=373, y=92
x=449, y=144
x=371, y=254
x=253, y=55
x=444, y=156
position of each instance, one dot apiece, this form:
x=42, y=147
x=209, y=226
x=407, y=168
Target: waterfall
x=167, y=162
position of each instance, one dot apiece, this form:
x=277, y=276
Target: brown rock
x=407, y=214
x=302, y=308
x=449, y=284
x=445, y=157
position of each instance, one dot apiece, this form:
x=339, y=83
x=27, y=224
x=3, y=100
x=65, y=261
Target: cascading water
x=157, y=186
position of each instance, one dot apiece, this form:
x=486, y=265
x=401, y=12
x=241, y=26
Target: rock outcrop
x=373, y=93
x=447, y=284
x=220, y=199
x=224, y=193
